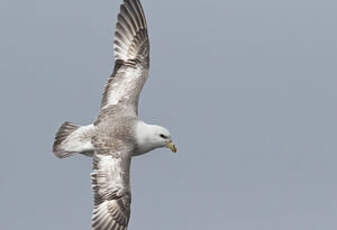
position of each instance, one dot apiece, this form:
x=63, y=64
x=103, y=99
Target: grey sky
x=247, y=88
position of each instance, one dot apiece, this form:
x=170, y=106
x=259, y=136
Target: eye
x=163, y=136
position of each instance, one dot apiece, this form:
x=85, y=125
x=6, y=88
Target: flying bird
x=117, y=134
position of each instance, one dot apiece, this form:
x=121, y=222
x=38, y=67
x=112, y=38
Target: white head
x=150, y=137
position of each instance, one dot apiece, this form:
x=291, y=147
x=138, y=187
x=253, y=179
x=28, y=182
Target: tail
x=71, y=139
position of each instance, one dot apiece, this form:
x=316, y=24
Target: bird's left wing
x=110, y=182
x=131, y=48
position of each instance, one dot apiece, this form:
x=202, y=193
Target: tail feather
x=71, y=139
x=64, y=131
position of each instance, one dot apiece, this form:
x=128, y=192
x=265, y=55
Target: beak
x=171, y=146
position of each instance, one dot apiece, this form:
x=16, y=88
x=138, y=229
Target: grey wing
x=131, y=49
x=110, y=182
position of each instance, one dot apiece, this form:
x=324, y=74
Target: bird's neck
x=143, y=134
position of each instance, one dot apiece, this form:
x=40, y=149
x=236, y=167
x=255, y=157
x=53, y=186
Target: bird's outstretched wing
x=110, y=182
x=131, y=49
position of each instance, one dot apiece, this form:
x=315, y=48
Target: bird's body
x=117, y=134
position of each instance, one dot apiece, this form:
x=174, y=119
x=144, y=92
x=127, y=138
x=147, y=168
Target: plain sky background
x=247, y=88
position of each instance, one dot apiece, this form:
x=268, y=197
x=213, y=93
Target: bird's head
x=162, y=138
x=150, y=137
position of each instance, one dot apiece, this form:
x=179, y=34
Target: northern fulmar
x=117, y=135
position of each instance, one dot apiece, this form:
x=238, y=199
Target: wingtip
x=130, y=28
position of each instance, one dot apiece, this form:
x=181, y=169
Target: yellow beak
x=171, y=146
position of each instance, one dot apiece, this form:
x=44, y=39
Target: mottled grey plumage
x=117, y=134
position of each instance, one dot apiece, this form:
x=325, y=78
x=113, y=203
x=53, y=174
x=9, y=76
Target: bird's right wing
x=131, y=49
x=110, y=182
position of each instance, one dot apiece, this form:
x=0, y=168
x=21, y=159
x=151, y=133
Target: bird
x=117, y=135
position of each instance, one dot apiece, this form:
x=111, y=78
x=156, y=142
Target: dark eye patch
x=163, y=136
